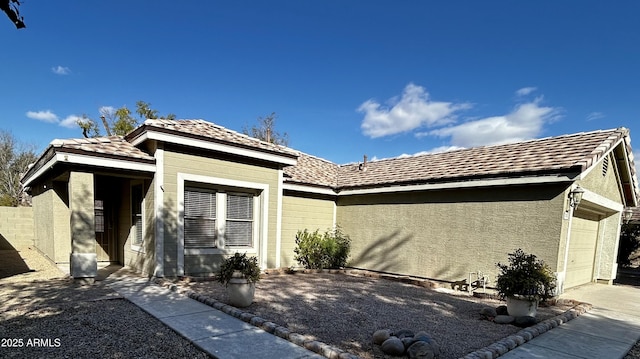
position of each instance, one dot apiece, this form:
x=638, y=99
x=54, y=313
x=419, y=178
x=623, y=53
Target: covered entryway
x=582, y=248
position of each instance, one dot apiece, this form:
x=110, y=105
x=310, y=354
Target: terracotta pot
x=519, y=307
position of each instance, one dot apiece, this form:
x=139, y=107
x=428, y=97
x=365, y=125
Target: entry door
x=582, y=249
x=105, y=246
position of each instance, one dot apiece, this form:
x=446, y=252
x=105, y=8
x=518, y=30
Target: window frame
x=135, y=246
x=260, y=193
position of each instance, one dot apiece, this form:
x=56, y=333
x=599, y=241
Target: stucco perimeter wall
x=446, y=234
x=16, y=227
x=178, y=160
x=52, y=219
x=302, y=211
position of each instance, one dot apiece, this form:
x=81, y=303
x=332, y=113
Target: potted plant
x=239, y=273
x=524, y=282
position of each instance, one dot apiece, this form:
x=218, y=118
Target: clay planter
x=518, y=307
x=240, y=291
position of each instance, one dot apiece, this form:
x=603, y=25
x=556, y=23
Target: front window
x=218, y=219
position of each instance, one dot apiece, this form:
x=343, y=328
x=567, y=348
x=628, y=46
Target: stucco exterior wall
x=447, y=234
x=16, y=227
x=299, y=212
x=605, y=183
x=182, y=161
x=52, y=221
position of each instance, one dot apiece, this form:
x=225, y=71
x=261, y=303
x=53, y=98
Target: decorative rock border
x=492, y=351
x=511, y=342
x=315, y=346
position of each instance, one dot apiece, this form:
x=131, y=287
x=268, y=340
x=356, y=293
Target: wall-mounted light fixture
x=627, y=214
x=575, y=197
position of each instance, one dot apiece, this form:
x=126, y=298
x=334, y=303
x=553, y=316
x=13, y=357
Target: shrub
x=525, y=276
x=239, y=262
x=315, y=250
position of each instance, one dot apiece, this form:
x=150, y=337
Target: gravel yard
x=45, y=317
x=44, y=314
x=345, y=310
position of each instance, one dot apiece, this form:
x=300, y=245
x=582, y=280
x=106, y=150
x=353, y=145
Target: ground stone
x=504, y=319
x=404, y=333
x=421, y=350
x=525, y=321
x=393, y=346
x=381, y=335
x=488, y=312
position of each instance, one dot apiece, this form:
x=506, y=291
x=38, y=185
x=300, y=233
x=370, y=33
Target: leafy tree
x=14, y=161
x=265, y=131
x=119, y=121
x=10, y=7
x=629, y=244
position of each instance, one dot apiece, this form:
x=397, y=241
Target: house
x=174, y=196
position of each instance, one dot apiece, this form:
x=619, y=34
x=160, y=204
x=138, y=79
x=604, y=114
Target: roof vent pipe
x=363, y=165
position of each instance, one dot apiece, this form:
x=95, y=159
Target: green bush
x=317, y=250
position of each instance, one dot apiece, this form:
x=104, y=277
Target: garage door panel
x=582, y=249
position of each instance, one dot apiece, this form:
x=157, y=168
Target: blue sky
x=346, y=78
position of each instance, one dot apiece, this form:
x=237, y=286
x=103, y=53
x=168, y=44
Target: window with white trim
x=219, y=219
x=137, y=218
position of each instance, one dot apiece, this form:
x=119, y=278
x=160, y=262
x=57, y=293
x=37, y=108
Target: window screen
x=136, y=214
x=239, y=231
x=199, y=218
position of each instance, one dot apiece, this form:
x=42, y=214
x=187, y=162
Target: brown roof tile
x=569, y=154
x=312, y=170
x=112, y=146
x=211, y=132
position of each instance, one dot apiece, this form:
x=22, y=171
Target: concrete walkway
x=609, y=330
x=219, y=334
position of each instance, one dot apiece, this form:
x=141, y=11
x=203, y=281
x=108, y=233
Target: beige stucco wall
x=605, y=184
x=299, y=212
x=447, y=234
x=51, y=221
x=81, y=196
x=179, y=161
x=16, y=227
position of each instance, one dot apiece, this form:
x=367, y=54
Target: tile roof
x=112, y=146
x=568, y=154
x=211, y=132
x=312, y=170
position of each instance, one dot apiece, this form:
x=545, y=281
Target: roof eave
x=145, y=133
x=68, y=156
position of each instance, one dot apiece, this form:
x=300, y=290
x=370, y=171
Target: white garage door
x=582, y=249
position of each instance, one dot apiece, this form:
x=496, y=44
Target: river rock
x=393, y=346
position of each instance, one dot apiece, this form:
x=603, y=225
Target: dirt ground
x=44, y=314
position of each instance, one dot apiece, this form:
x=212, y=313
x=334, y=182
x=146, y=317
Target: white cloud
x=61, y=70
x=70, y=121
x=525, y=91
x=44, y=116
x=595, y=116
x=524, y=122
x=414, y=109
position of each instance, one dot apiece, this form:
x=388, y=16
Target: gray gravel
x=345, y=310
x=55, y=318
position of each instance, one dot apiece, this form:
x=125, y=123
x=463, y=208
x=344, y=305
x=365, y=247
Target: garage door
x=582, y=249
